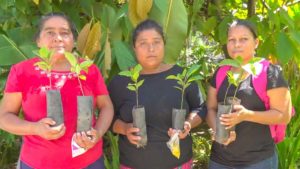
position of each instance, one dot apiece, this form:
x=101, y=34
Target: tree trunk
x=251, y=8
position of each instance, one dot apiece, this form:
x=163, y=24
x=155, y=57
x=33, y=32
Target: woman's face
x=241, y=42
x=149, y=49
x=56, y=35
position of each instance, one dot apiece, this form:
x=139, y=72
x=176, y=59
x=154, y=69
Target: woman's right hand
x=130, y=132
x=43, y=129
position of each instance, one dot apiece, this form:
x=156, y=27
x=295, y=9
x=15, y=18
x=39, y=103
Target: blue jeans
x=269, y=163
x=99, y=164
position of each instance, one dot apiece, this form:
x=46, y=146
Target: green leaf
x=72, y=59
x=284, y=48
x=172, y=16
x=137, y=68
x=254, y=60
x=229, y=62
x=274, y=20
x=222, y=29
x=21, y=35
x=86, y=64
x=77, y=69
x=161, y=5
x=136, y=72
x=132, y=88
x=10, y=52
x=172, y=77
x=193, y=69
x=45, y=54
x=125, y=73
x=186, y=85
x=180, y=82
x=286, y=19
x=124, y=57
x=195, y=78
x=265, y=49
x=135, y=76
x=295, y=35
x=140, y=83
x=43, y=65
x=209, y=25
x=240, y=60
x=176, y=87
x=183, y=74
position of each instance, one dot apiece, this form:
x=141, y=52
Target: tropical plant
x=185, y=78
x=277, y=22
x=9, y=149
x=45, y=63
x=289, y=149
x=201, y=147
x=77, y=67
x=134, y=74
x=236, y=78
x=138, y=111
x=111, y=155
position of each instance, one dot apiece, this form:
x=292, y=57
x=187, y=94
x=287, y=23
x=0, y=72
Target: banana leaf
x=11, y=53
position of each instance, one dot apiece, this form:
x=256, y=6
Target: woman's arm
x=212, y=105
x=10, y=122
x=105, y=106
x=280, y=109
x=279, y=113
x=194, y=120
x=128, y=130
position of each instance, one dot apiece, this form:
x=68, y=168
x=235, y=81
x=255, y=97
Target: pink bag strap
x=221, y=74
x=260, y=82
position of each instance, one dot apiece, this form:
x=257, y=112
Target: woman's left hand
x=182, y=133
x=234, y=118
x=87, y=139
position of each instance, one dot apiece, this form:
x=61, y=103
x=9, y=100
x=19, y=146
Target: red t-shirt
x=32, y=82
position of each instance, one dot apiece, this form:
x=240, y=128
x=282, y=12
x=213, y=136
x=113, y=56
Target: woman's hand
x=87, y=139
x=43, y=129
x=231, y=138
x=234, y=118
x=182, y=133
x=130, y=132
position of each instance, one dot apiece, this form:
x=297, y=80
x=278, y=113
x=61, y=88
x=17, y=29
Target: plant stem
x=226, y=93
x=183, y=89
x=137, y=96
x=50, y=80
x=236, y=91
x=239, y=81
x=80, y=85
x=182, y=94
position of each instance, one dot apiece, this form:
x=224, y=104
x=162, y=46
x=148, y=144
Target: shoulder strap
x=260, y=81
x=221, y=74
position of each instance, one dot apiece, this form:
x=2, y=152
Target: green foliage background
x=195, y=32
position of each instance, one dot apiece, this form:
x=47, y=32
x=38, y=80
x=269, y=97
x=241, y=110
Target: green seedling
x=46, y=61
x=236, y=78
x=185, y=78
x=134, y=74
x=77, y=67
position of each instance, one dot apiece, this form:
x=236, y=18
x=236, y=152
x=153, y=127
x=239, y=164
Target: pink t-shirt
x=32, y=82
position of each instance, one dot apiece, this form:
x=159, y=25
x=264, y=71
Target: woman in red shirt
x=44, y=146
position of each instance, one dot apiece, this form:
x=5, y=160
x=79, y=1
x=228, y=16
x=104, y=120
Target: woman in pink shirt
x=44, y=146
